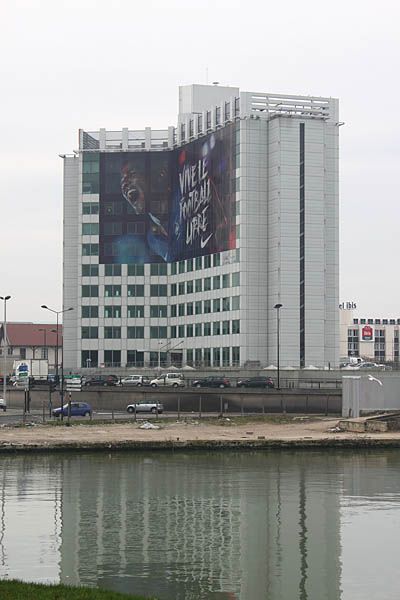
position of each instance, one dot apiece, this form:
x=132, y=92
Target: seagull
x=370, y=378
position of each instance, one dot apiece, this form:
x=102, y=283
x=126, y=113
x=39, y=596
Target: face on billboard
x=168, y=206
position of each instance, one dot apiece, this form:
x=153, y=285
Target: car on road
x=152, y=407
x=371, y=365
x=3, y=405
x=168, y=379
x=135, y=380
x=102, y=380
x=256, y=382
x=216, y=382
x=78, y=409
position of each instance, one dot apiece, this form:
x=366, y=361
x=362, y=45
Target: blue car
x=78, y=409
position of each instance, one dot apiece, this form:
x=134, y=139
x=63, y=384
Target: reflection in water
x=249, y=526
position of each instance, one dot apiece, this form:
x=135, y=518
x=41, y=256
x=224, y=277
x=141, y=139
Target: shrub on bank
x=18, y=590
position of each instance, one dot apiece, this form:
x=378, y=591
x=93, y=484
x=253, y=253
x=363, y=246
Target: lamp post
x=5, y=347
x=278, y=327
x=57, y=313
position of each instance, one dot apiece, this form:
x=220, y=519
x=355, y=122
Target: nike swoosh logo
x=204, y=242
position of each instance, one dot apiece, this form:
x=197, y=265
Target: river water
x=277, y=525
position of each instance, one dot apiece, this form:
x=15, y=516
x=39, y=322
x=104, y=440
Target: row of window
x=161, y=332
x=376, y=321
x=160, y=311
x=161, y=290
x=207, y=357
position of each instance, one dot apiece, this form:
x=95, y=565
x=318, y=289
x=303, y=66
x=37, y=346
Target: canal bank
x=192, y=434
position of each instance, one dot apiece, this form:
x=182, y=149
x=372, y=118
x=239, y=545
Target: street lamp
x=57, y=313
x=278, y=327
x=5, y=347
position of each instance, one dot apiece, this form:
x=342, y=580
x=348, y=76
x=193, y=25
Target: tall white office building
x=179, y=243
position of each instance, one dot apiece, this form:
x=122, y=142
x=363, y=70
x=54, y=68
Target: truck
x=38, y=368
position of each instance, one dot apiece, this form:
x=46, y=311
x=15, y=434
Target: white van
x=168, y=379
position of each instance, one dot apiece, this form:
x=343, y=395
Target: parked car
x=152, y=407
x=371, y=365
x=103, y=380
x=217, y=382
x=78, y=409
x=136, y=380
x=256, y=382
x=3, y=405
x=168, y=379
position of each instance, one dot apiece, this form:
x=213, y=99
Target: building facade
x=179, y=243
x=373, y=339
x=27, y=341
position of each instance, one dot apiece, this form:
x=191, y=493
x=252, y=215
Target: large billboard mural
x=171, y=205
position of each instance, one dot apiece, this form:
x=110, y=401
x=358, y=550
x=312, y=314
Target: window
x=89, y=333
x=90, y=249
x=181, y=266
x=181, y=331
x=217, y=305
x=216, y=260
x=136, y=333
x=136, y=290
x=189, y=265
x=181, y=310
x=189, y=357
x=112, y=358
x=189, y=330
x=157, y=333
x=207, y=261
x=189, y=308
x=237, y=232
x=158, y=269
x=225, y=304
x=89, y=358
x=216, y=328
x=90, y=173
x=90, y=229
x=199, y=285
x=207, y=306
x=235, y=302
x=173, y=268
x=90, y=291
x=112, y=291
x=90, y=312
x=216, y=282
x=173, y=289
x=112, y=209
x=198, y=356
x=173, y=331
x=236, y=326
x=197, y=307
x=157, y=290
x=112, y=312
x=22, y=353
x=112, y=270
x=207, y=357
x=198, y=263
x=225, y=327
x=135, y=227
x=134, y=358
x=225, y=280
x=235, y=356
x=158, y=311
x=198, y=329
x=90, y=208
x=207, y=328
x=189, y=287
x=136, y=270
x=90, y=270
x=173, y=310
x=135, y=311
x=181, y=288
x=225, y=357
x=207, y=284
x=216, y=357
x=44, y=353
x=112, y=333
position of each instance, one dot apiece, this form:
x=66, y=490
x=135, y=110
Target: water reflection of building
x=184, y=526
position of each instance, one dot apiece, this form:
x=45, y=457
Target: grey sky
x=92, y=64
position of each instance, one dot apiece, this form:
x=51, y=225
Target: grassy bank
x=17, y=590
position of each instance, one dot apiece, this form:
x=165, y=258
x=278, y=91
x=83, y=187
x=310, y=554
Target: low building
x=31, y=341
x=374, y=339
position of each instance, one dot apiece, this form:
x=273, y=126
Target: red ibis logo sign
x=367, y=333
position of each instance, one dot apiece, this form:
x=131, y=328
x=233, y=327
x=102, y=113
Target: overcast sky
x=90, y=64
